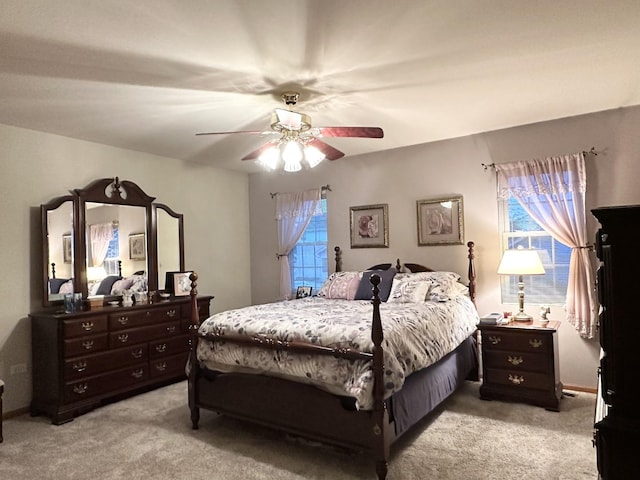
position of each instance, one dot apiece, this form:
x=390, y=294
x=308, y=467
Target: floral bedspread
x=416, y=335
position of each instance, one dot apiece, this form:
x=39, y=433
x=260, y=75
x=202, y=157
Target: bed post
x=338, y=259
x=472, y=272
x=381, y=447
x=194, y=367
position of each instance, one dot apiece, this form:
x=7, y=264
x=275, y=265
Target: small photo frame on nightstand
x=303, y=292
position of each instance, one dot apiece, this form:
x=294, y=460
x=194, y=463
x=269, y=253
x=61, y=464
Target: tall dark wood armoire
x=617, y=422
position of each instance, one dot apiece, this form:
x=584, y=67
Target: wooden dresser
x=617, y=422
x=83, y=359
x=520, y=363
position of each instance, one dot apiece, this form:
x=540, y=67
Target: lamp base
x=522, y=317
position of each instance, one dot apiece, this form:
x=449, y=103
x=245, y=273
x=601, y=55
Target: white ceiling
x=148, y=74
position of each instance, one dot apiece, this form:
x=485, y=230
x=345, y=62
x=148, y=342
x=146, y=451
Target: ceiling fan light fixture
x=270, y=157
x=292, y=155
x=313, y=156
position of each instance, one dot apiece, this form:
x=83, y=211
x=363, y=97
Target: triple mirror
x=107, y=238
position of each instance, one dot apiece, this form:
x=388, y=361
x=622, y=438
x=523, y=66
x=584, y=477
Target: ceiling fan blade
x=329, y=152
x=256, y=153
x=227, y=133
x=366, y=132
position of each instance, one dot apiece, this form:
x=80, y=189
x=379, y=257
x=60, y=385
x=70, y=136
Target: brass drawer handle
x=137, y=353
x=161, y=367
x=515, y=360
x=137, y=373
x=123, y=320
x=80, y=388
x=516, y=380
x=171, y=313
x=495, y=339
x=535, y=343
x=80, y=366
x=148, y=314
x=161, y=348
x=87, y=326
x=87, y=344
x=123, y=337
x=171, y=329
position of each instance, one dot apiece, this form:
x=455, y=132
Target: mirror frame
x=108, y=191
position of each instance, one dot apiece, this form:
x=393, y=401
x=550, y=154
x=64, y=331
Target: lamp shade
x=520, y=262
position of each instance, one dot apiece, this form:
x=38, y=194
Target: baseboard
x=15, y=413
x=577, y=388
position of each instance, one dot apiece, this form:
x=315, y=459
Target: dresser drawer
x=518, y=379
x=516, y=341
x=137, y=318
x=521, y=361
x=101, y=362
x=79, y=327
x=85, y=345
x=169, y=346
x=107, y=382
x=143, y=334
x=169, y=366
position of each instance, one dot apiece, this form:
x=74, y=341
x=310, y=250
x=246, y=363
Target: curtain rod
x=323, y=187
x=591, y=151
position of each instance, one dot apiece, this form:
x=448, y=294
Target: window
x=110, y=263
x=309, y=258
x=522, y=230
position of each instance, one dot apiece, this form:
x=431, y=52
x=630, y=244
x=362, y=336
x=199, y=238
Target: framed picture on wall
x=370, y=226
x=66, y=248
x=440, y=221
x=137, y=246
x=303, y=291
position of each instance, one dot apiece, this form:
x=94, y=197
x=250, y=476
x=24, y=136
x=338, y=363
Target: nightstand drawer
x=521, y=361
x=518, y=379
x=516, y=341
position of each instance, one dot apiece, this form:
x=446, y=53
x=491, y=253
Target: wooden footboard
x=293, y=407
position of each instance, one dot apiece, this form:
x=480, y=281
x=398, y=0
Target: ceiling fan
x=298, y=139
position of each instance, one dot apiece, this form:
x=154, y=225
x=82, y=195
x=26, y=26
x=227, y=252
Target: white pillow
x=443, y=284
x=409, y=291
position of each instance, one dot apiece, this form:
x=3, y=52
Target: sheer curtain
x=293, y=214
x=545, y=188
x=100, y=235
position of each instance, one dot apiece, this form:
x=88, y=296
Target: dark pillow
x=56, y=283
x=106, y=284
x=365, y=288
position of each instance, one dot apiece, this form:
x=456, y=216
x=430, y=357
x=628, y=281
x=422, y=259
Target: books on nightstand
x=490, y=318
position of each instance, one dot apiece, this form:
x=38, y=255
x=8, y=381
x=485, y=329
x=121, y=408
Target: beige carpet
x=149, y=437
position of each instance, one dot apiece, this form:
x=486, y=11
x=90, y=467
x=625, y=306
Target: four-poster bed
x=382, y=401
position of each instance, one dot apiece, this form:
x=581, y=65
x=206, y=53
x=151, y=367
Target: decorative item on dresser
x=354, y=393
x=617, y=422
x=104, y=346
x=520, y=363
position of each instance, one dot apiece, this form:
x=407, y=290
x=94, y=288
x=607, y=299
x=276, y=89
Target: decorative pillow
x=443, y=284
x=106, y=284
x=56, y=283
x=139, y=283
x=119, y=286
x=409, y=291
x=365, y=288
x=341, y=285
x=66, y=287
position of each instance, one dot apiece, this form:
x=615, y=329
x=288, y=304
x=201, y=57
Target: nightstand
x=520, y=363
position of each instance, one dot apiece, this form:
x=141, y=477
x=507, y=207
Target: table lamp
x=521, y=262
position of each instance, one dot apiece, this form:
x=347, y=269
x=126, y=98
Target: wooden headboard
x=416, y=267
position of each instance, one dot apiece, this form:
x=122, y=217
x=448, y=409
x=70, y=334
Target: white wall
x=37, y=167
x=403, y=176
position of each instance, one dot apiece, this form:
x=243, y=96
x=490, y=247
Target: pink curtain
x=100, y=236
x=293, y=214
x=543, y=187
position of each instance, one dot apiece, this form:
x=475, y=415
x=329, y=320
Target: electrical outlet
x=18, y=368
